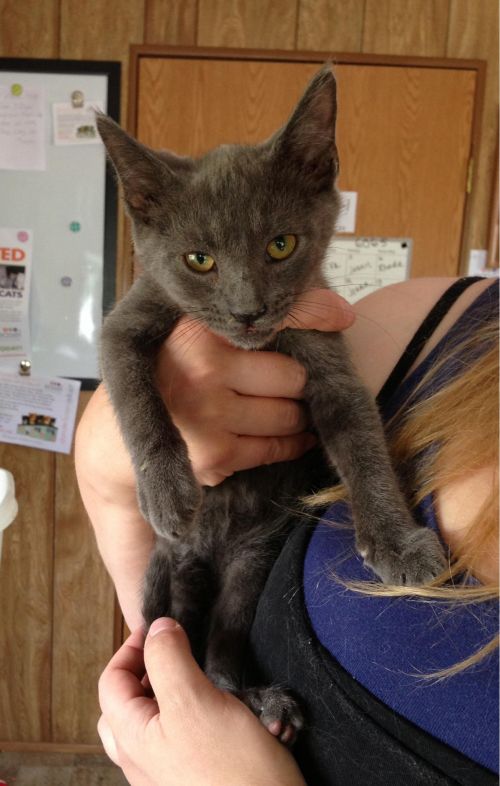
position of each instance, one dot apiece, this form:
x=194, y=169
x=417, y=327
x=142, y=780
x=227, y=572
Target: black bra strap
x=423, y=334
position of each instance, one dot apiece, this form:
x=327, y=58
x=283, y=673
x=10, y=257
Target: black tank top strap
x=423, y=334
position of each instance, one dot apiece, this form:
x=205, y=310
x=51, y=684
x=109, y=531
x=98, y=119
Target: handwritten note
x=355, y=267
x=22, y=143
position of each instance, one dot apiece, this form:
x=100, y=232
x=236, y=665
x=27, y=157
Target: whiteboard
x=356, y=266
x=73, y=278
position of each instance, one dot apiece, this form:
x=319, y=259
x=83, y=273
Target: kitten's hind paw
x=276, y=710
x=416, y=557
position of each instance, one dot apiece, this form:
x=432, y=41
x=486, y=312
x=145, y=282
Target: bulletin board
x=64, y=200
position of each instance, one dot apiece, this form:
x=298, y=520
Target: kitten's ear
x=147, y=178
x=307, y=142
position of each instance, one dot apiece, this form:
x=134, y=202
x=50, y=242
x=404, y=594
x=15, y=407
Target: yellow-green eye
x=281, y=246
x=200, y=262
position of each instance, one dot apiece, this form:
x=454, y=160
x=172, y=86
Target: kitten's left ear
x=307, y=142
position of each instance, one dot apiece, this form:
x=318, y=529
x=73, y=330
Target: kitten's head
x=236, y=237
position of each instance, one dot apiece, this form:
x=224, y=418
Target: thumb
x=173, y=673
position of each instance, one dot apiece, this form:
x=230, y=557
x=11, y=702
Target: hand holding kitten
x=238, y=409
x=194, y=733
x=264, y=422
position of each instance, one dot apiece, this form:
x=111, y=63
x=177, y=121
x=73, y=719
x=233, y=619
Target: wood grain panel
x=26, y=598
x=29, y=28
x=96, y=30
x=170, y=22
x=397, y=147
x=330, y=25
x=474, y=33
x=83, y=612
x=408, y=163
x=267, y=92
x=266, y=24
x=406, y=27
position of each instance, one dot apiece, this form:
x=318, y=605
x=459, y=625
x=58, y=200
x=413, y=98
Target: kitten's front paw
x=414, y=557
x=168, y=499
x=276, y=710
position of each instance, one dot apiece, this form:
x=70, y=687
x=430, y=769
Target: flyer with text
x=38, y=412
x=16, y=252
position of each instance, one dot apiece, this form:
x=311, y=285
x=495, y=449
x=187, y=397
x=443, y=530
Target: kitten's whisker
x=180, y=332
x=195, y=334
x=186, y=339
x=299, y=306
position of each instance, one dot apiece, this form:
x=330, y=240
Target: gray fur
x=215, y=546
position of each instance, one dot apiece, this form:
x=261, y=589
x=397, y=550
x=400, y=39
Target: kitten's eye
x=281, y=247
x=200, y=262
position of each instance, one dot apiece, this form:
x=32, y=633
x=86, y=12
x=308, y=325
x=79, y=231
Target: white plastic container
x=8, y=502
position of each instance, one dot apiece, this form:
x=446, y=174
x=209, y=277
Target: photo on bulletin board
x=58, y=215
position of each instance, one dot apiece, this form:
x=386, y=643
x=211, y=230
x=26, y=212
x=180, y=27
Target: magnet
x=75, y=226
x=77, y=99
x=25, y=368
x=16, y=89
x=22, y=236
x=66, y=281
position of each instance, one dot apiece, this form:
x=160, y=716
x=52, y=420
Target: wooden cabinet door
x=404, y=133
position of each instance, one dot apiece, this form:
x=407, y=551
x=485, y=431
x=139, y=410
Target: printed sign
x=38, y=412
x=15, y=276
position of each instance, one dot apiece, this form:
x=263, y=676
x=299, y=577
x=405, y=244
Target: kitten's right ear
x=146, y=177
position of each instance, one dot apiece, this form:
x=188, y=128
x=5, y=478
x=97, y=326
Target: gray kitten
x=236, y=239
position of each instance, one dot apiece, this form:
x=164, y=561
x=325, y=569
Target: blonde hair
x=456, y=427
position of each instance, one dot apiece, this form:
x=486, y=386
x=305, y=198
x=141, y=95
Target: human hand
x=192, y=733
x=238, y=409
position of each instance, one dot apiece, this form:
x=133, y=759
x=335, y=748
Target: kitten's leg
x=351, y=432
x=180, y=584
x=232, y=618
x=168, y=493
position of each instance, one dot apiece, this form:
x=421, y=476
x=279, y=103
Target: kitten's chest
x=258, y=504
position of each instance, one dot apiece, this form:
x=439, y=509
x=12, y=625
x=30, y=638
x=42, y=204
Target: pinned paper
x=478, y=258
x=15, y=276
x=22, y=143
x=38, y=412
x=75, y=124
x=346, y=219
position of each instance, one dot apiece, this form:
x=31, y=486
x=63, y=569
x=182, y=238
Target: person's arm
x=192, y=733
x=235, y=410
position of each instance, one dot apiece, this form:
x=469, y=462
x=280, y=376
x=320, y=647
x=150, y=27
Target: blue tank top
x=386, y=643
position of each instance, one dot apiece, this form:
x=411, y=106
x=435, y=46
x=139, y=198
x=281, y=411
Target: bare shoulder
x=387, y=319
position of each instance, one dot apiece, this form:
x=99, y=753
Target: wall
x=104, y=29
x=51, y=539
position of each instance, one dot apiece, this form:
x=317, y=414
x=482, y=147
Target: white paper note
x=15, y=278
x=22, y=143
x=38, y=412
x=354, y=267
x=346, y=219
x=76, y=125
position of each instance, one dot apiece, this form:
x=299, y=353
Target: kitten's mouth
x=251, y=336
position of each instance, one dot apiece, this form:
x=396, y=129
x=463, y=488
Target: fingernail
x=163, y=623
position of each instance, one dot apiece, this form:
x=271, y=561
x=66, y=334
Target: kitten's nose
x=248, y=318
